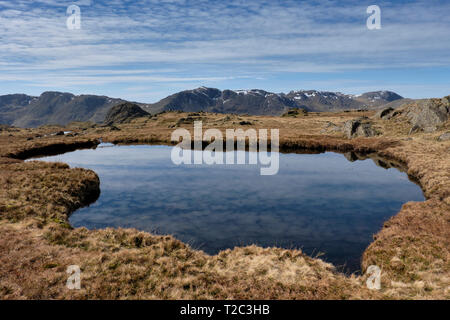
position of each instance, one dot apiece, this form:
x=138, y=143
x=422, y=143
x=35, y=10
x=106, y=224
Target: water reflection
x=317, y=202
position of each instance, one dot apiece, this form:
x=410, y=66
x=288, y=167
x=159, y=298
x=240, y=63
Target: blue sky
x=146, y=50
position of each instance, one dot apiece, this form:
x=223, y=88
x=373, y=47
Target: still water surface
x=321, y=203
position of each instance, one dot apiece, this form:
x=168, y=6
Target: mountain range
x=260, y=102
x=53, y=108
x=21, y=110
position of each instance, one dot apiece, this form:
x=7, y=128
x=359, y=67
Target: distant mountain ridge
x=54, y=108
x=21, y=110
x=12, y=106
x=260, y=102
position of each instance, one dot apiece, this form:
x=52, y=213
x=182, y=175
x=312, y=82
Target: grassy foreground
x=37, y=243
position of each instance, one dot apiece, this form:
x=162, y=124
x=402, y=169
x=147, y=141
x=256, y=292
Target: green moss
x=50, y=265
x=114, y=265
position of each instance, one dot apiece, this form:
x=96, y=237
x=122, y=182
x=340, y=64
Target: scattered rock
x=429, y=129
x=295, y=112
x=444, y=137
x=385, y=113
x=227, y=118
x=188, y=120
x=330, y=127
x=359, y=127
x=414, y=129
x=397, y=264
x=4, y=127
x=245, y=123
x=59, y=133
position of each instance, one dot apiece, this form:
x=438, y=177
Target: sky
x=146, y=50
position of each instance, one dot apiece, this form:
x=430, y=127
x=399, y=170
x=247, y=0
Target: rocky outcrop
x=444, y=137
x=428, y=116
x=360, y=127
x=124, y=113
x=424, y=115
x=386, y=113
x=295, y=112
x=330, y=127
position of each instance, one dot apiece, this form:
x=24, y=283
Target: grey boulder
x=359, y=127
x=428, y=116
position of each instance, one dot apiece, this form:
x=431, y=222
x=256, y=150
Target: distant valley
x=62, y=108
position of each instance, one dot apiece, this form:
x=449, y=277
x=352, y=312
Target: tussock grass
x=37, y=243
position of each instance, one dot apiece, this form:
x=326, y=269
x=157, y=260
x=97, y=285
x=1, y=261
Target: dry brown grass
x=119, y=264
x=37, y=243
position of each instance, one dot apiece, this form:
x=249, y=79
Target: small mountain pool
x=320, y=203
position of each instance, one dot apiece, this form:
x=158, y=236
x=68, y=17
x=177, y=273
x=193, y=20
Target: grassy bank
x=37, y=243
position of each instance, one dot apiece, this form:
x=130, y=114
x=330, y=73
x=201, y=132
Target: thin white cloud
x=213, y=40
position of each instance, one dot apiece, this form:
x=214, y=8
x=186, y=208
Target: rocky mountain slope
x=260, y=102
x=13, y=106
x=123, y=113
x=62, y=108
x=256, y=102
x=53, y=108
x=378, y=98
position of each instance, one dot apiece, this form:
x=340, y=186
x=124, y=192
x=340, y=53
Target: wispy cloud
x=209, y=41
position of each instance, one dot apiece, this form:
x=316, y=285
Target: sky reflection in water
x=319, y=203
